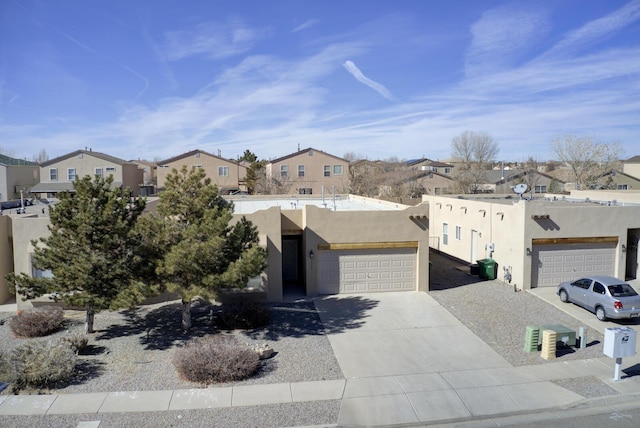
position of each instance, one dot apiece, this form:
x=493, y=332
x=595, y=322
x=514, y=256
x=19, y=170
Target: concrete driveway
x=408, y=360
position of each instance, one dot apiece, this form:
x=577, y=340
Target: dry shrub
x=77, y=340
x=212, y=359
x=37, y=322
x=38, y=364
x=245, y=314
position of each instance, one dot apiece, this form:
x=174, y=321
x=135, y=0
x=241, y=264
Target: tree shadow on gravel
x=303, y=318
x=161, y=328
x=85, y=371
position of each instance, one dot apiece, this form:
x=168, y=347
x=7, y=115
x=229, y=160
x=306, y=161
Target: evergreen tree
x=204, y=253
x=92, y=252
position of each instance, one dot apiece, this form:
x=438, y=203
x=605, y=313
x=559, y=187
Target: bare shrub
x=37, y=322
x=245, y=314
x=212, y=359
x=38, y=364
x=77, y=340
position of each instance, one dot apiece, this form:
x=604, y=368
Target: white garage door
x=366, y=271
x=553, y=264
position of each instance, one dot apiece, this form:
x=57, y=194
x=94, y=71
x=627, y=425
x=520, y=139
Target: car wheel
x=564, y=297
x=602, y=316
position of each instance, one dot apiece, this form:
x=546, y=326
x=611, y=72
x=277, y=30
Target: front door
x=292, y=277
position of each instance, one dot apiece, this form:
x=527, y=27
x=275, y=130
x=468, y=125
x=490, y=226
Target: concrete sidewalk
x=408, y=362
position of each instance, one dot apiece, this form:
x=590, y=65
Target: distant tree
x=364, y=179
x=531, y=177
x=204, y=254
x=248, y=156
x=591, y=162
x=92, y=252
x=474, y=151
x=41, y=157
x=353, y=156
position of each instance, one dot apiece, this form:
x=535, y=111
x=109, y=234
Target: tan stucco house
x=309, y=172
x=227, y=174
x=341, y=244
x=542, y=241
x=631, y=166
x=57, y=175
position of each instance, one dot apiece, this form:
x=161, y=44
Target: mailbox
x=619, y=342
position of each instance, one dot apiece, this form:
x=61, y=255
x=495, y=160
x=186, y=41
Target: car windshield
x=622, y=290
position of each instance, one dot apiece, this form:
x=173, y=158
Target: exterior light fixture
x=528, y=251
x=311, y=255
x=624, y=248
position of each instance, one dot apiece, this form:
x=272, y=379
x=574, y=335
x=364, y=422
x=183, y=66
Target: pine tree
x=92, y=252
x=204, y=253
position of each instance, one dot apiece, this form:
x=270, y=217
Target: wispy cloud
x=501, y=36
x=305, y=25
x=597, y=30
x=212, y=40
x=360, y=77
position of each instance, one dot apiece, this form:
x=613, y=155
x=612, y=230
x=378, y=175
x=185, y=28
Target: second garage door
x=553, y=264
x=366, y=271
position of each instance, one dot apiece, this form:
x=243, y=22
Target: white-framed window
x=71, y=174
x=284, y=170
x=197, y=154
x=337, y=170
x=223, y=171
x=53, y=174
x=434, y=168
x=310, y=153
x=623, y=187
x=110, y=169
x=300, y=170
x=540, y=188
x=99, y=172
x=327, y=170
x=305, y=191
x=447, y=170
x=458, y=233
x=445, y=234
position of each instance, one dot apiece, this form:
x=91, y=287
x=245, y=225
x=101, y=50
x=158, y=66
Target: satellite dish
x=520, y=188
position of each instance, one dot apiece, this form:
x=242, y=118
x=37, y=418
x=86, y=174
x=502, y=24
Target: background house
x=57, y=175
x=631, y=166
x=227, y=174
x=17, y=176
x=308, y=172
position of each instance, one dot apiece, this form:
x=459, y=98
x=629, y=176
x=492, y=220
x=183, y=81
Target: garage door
x=367, y=271
x=553, y=264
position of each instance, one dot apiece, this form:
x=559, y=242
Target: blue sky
x=153, y=79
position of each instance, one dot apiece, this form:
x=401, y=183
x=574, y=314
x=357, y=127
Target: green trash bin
x=487, y=269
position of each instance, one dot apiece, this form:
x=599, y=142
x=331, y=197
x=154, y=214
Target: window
x=284, y=170
x=337, y=170
x=458, y=233
x=447, y=170
x=434, y=169
x=540, y=189
x=110, y=169
x=583, y=283
x=623, y=187
x=598, y=288
x=310, y=152
x=223, y=171
x=300, y=170
x=445, y=234
x=197, y=154
x=327, y=170
x=71, y=174
x=198, y=166
x=53, y=174
x=99, y=172
x=305, y=191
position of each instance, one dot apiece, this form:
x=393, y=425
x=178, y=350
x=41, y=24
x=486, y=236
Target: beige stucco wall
x=6, y=256
x=85, y=165
x=313, y=172
x=26, y=229
x=210, y=164
x=509, y=225
x=632, y=169
x=22, y=176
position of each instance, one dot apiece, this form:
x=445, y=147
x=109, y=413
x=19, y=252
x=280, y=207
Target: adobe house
x=543, y=241
x=341, y=244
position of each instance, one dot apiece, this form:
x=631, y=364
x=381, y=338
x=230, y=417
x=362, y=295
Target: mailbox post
x=619, y=342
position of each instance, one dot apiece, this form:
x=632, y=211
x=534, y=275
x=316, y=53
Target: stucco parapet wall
x=621, y=197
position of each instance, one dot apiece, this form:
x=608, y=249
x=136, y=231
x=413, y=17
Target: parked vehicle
x=606, y=296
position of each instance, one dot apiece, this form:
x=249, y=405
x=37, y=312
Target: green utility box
x=487, y=269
